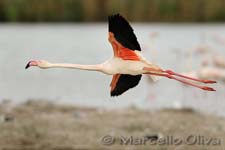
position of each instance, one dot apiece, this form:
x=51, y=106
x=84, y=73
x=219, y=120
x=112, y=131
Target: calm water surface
x=87, y=44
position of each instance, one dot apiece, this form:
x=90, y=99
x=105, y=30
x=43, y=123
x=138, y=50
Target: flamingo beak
x=31, y=63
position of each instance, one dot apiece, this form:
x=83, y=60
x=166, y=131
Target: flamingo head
x=39, y=63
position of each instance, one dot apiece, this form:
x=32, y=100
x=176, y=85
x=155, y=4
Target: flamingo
x=127, y=65
x=219, y=61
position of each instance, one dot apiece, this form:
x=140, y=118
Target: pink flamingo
x=127, y=65
x=219, y=61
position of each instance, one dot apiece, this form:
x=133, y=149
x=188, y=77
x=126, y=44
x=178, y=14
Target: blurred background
x=187, y=36
x=98, y=10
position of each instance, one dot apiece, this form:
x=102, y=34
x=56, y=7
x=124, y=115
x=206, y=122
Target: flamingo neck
x=77, y=66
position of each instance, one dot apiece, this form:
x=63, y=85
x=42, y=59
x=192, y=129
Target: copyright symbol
x=108, y=140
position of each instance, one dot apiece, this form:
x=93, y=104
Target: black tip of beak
x=28, y=65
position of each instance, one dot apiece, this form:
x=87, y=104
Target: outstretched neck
x=77, y=66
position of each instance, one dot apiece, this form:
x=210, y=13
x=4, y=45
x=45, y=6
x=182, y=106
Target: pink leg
x=186, y=77
x=170, y=72
x=183, y=81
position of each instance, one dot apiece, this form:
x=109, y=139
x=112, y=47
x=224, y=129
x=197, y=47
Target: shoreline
x=45, y=125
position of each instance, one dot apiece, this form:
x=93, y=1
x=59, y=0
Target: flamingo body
x=117, y=65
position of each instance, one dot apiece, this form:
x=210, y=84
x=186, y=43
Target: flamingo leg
x=187, y=77
x=179, y=75
x=183, y=81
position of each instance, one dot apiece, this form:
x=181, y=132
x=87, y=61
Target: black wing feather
x=123, y=32
x=124, y=83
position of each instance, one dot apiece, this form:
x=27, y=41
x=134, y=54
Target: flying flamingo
x=127, y=65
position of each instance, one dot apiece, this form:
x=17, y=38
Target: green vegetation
x=98, y=10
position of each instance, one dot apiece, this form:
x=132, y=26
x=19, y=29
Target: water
x=87, y=44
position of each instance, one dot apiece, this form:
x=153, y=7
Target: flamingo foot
x=208, y=81
x=206, y=88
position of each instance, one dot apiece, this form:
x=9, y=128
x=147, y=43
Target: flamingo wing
x=124, y=44
x=122, y=38
x=123, y=82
